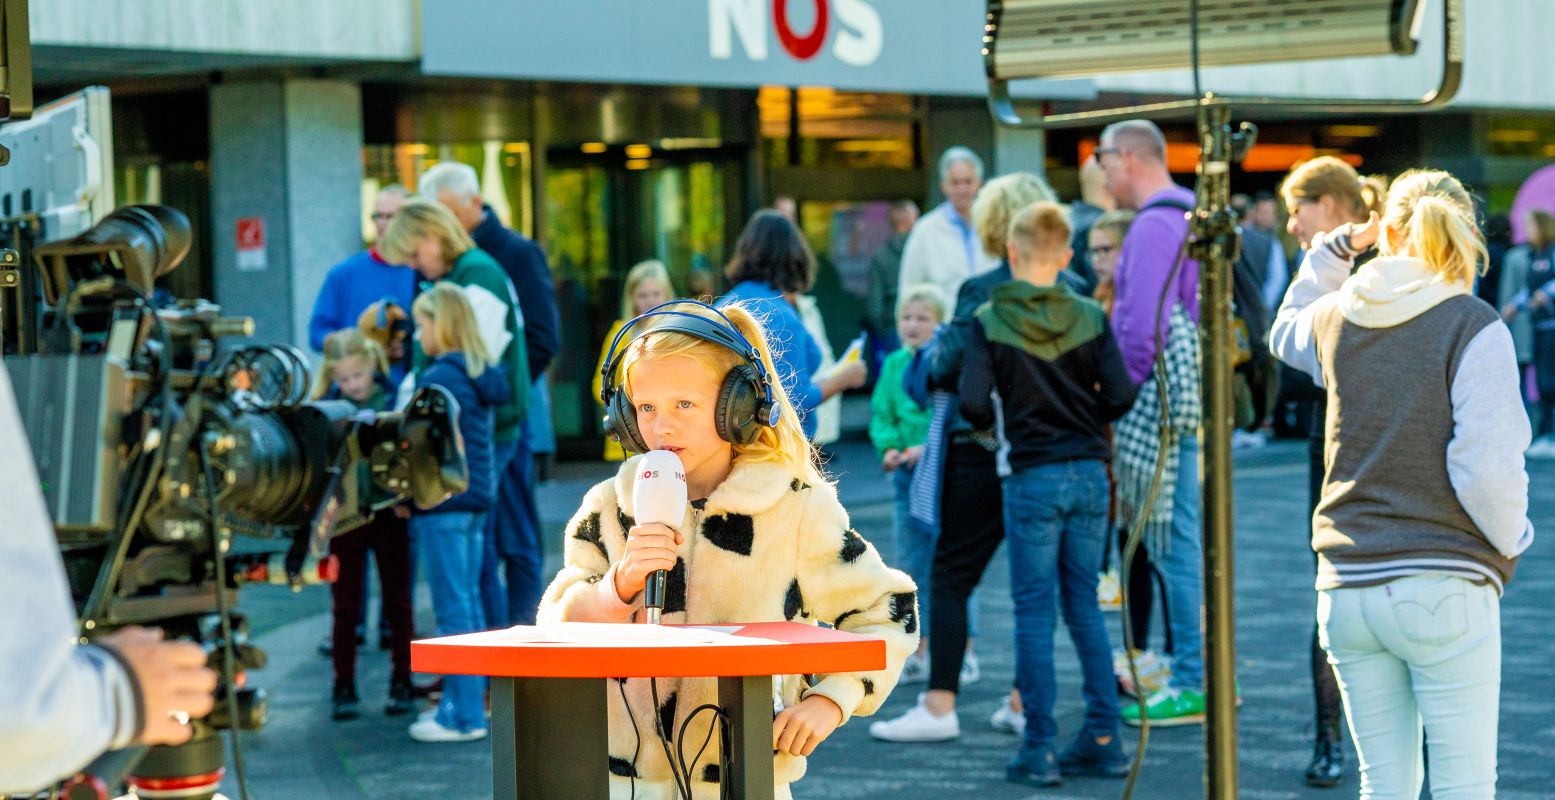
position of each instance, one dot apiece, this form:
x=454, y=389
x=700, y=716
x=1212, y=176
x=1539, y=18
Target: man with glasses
x=1132, y=156
x=362, y=280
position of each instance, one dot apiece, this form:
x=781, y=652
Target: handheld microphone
x=659, y=496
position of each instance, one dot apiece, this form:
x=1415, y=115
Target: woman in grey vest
x=1424, y=505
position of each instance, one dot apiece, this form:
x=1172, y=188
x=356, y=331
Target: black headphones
x=745, y=401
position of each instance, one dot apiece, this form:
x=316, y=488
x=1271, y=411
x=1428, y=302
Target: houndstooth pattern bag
x=1136, y=437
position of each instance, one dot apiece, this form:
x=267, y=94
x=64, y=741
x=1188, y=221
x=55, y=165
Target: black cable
x=719, y=719
x=225, y=616
x=638, y=747
x=680, y=787
x=1137, y=531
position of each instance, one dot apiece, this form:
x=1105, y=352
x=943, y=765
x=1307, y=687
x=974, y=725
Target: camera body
x=180, y=461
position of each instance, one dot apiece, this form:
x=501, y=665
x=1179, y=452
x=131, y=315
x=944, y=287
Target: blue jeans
x=1422, y=651
x=1182, y=569
x=514, y=540
x=451, y=543
x=1055, y=524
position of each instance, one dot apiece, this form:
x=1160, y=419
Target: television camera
x=164, y=438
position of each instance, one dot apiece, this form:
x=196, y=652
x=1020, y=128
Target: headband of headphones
x=709, y=330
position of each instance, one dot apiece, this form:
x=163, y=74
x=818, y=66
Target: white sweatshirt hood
x=1393, y=290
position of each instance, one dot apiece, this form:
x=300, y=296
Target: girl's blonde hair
x=998, y=202
x=1435, y=214
x=785, y=443
x=341, y=345
x=1327, y=176
x=928, y=294
x=453, y=327
x=419, y=219
x=644, y=271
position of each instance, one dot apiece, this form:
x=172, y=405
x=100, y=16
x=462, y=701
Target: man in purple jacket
x=1133, y=156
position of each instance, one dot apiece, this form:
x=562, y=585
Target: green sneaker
x=1169, y=708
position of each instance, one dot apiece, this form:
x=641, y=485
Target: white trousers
x=1420, y=651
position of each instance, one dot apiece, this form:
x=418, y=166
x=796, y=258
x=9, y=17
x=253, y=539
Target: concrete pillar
x=1003, y=150
x=286, y=164
x=1019, y=150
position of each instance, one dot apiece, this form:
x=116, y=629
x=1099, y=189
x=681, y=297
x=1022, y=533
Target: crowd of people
x=1022, y=349
x=1029, y=360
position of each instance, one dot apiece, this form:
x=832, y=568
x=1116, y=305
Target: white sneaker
x=915, y=669
x=1008, y=720
x=917, y=725
x=970, y=671
x=1247, y=440
x=429, y=730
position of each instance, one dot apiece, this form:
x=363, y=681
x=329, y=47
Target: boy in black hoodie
x=1043, y=369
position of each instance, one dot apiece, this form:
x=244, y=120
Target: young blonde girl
x=450, y=536
x=764, y=539
x=1423, y=510
x=356, y=369
x=647, y=285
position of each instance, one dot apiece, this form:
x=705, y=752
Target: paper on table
x=619, y=635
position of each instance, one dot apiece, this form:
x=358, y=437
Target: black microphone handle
x=653, y=593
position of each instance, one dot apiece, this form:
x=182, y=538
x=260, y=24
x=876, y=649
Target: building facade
x=618, y=130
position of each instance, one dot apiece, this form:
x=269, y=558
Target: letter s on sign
x=861, y=36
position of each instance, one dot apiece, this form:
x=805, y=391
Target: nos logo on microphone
x=653, y=473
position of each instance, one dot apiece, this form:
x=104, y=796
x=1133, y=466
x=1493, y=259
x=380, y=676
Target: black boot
x=346, y=704
x=1327, y=768
x=402, y=697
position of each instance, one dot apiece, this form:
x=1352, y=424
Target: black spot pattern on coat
x=853, y=546
x=711, y=774
x=623, y=768
x=626, y=521
x=667, y=717
x=869, y=686
x=904, y=609
x=593, y=579
x=675, y=589
x=793, y=602
x=809, y=680
x=588, y=531
x=734, y=532
x=844, y=617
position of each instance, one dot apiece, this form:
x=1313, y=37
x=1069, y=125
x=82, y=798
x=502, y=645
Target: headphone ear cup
x=737, y=402
x=621, y=424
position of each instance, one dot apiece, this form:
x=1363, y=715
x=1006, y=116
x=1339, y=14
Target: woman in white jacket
x=1424, y=504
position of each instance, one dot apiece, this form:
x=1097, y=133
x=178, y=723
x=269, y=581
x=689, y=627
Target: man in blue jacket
x=362, y=280
x=515, y=515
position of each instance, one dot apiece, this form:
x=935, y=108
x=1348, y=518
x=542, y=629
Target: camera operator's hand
x=173, y=679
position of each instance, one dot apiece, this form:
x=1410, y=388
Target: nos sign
x=852, y=28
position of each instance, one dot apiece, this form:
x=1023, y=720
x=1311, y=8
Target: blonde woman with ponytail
x=1423, y=510
x=1321, y=195
x=763, y=539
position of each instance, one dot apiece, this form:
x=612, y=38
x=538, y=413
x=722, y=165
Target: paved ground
x=302, y=754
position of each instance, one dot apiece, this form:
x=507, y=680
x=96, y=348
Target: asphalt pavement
x=301, y=753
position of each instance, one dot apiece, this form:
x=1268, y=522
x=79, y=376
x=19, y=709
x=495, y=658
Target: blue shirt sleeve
x=326, y=313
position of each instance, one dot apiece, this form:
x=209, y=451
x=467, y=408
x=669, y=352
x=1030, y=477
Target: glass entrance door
x=607, y=208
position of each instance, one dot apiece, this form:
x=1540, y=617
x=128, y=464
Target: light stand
x=1214, y=242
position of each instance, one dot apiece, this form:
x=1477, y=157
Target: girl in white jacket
x=764, y=539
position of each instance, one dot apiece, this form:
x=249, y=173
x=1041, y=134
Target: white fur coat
x=765, y=547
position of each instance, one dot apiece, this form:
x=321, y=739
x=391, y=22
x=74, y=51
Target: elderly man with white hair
x=943, y=248
x=514, y=520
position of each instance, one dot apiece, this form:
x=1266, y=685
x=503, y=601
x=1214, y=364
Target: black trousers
x=385, y=535
x=1143, y=583
x=971, y=528
x=1328, y=704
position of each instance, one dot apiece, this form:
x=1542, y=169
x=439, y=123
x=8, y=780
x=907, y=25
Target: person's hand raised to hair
x=799, y=729
x=649, y=548
x=175, y=684
x=1363, y=235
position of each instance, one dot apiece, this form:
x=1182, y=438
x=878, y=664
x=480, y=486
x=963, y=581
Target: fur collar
x=751, y=488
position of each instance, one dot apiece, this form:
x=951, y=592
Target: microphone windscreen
x=660, y=492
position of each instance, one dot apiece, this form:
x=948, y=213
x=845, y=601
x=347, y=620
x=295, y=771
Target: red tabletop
x=588, y=650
